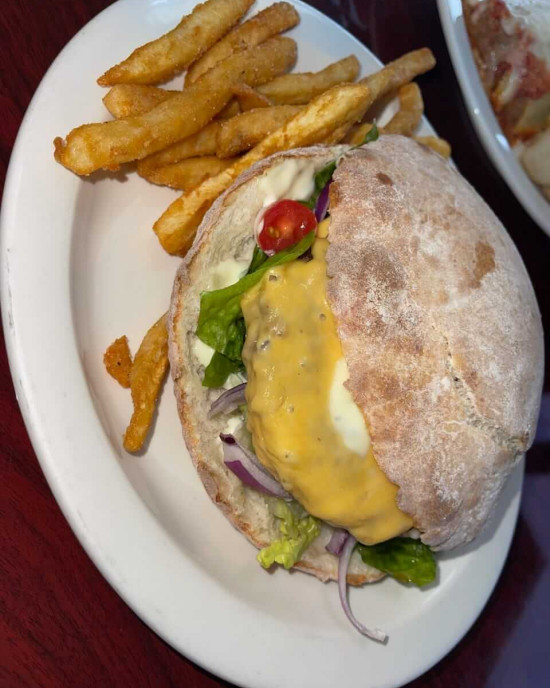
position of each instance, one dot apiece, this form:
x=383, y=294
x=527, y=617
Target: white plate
x=81, y=266
x=481, y=113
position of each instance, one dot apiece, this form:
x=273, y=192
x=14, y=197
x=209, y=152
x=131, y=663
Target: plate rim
x=24, y=392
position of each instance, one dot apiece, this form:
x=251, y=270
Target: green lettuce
x=298, y=530
x=258, y=259
x=405, y=559
x=371, y=135
x=221, y=324
x=219, y=369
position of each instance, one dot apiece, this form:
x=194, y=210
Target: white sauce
x=226, y=273
x=232, y=424
x=345, y=414
x=292, y=178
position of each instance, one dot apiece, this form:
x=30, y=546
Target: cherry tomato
x=285, y=223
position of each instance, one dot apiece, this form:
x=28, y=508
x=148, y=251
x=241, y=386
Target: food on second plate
x=511, y=46
x=357, y=358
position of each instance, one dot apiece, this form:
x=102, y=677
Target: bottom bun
x=226, y=233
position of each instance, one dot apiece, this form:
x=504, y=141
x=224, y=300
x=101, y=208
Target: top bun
x=440, y=330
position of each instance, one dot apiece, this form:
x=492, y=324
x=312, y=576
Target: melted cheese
x=292, y=354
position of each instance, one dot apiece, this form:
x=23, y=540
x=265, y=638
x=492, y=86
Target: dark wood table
x=62, y=625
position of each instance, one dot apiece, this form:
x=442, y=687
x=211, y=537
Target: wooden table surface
x=62, y=624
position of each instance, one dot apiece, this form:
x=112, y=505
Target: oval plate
x=80, y=267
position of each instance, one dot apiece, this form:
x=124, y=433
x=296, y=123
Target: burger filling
x=305, y=427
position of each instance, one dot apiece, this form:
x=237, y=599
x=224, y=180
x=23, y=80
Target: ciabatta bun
x=439, y=326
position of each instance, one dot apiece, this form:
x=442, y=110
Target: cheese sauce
x=301, y=421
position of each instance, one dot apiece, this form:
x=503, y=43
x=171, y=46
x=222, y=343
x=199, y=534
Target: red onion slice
x=321, y=206
x=343, y=565
x=246, y=467
x=228, y=401
x=337, y=541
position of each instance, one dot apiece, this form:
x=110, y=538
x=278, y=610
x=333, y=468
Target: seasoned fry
x=187, y=174
x=118, y=361
x=127, y=100
x=160, y=59
x=107, y=145
x=356, y=135
x=399, y=72
x=204, y=142
x=230, y=110
x=269, y=22
x=298, y=89
x=244, y=131
x=249, y=99
x=435, y=143
x=146, y=377
x=341, y=106
x=411, y=108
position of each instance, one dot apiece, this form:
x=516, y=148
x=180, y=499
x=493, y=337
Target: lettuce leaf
x=219, y=369
x=371, y=135
x=258, y=259
x=405, y=559
x=298, y=530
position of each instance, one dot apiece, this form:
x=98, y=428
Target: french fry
x=127, y=100
x=411, y=108
x=356, y=134
x=341, y=106
x=269, y=22
x=244, y=131
x=435, y=143
x=204, y=142
x=399, y=72
x=118, y=361
x=299, y=89
x=230, y=110
x=146, y=377
x=187, y=174
x=160, y=59
x=249, y=99
x=107, y=145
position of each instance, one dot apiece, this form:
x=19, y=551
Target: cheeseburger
x=357, y=357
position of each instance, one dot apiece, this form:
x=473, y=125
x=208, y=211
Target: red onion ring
x=321, y=206
x=228, y=401
x=337, y=541
x=247, y=468
x=343, y=565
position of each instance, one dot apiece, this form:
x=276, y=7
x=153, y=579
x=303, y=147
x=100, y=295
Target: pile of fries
x=239, y=104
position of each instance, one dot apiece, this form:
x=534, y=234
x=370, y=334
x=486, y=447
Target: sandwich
x=357, y=357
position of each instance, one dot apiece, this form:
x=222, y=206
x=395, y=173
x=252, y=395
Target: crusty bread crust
x=226, y=231
x=440, y=329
